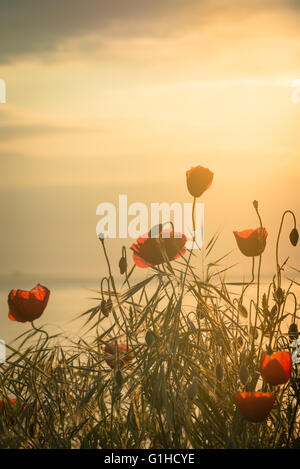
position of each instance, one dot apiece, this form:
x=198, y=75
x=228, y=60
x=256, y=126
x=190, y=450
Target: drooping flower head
x=110, y=352
x=276, y=368
x=251, y=242
x=27, y=305
x=254, y=406
x=198, y=180
x=150, y=251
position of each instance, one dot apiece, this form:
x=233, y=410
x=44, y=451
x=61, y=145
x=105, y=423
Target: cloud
x=12, y=132
x=35, y=28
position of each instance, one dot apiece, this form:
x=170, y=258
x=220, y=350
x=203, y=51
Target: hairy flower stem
x=40, y=330
x=277, y=245
x=258, y=281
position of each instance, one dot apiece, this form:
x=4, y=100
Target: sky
x=122, y=97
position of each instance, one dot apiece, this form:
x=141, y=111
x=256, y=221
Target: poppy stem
x=277, y=245
x=258, y=273
x=40, y=330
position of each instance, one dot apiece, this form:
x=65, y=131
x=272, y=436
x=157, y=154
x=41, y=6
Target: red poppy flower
x=198, y=180
x=251, y=242
x=11, y=402
x=125, y=356
x=27, y=305
x=276, y=368
x=149, y=251
x=254, y=406
x=10, y=408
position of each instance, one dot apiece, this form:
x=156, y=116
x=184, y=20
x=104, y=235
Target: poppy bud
x=192, y=390
x=255, y=204
x=294, y=236
x=293, y=331
x=244, y=374
x=219, y=372
x=279, y=295
x=123, y=265
x=106, y=307
x=103, y=306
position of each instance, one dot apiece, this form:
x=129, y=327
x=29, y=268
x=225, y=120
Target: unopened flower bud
x=293, y=331
x=294, y=237
x=123, y=265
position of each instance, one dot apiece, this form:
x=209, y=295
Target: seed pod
x=293, y=331
x=192, y=390
x=219, y=372
x=273, y=311
x=294, y=237
x=244, y=374
x=123, y=265
x=243, y=311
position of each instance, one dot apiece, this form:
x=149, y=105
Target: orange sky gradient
x=123, y=98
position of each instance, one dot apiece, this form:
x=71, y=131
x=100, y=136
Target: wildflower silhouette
x=276, y=368
x=148, y=251
x=124, y=354
x=198, y=179
x=254, y=406
x=251, y=242
x=27, y=305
